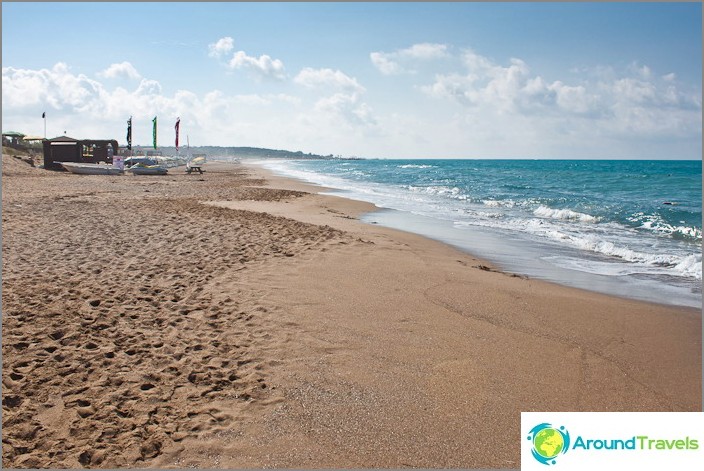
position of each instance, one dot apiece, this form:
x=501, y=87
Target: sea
x=629, y=228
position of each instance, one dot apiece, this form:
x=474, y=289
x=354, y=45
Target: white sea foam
x=446, y=191
x=664, y=228
x=544, y=211
x=691, y=266
x=655, y=223
x=676, y=264
x=488, y=214
x=606, y=239
x=499, y=203
x=610, y=240
x=415, y=166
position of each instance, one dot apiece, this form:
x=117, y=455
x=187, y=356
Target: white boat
x=148, y=170
x=197, y=161
x=91, y=169
x=136, y=160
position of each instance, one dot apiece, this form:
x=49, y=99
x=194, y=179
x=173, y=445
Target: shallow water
x=598, y=225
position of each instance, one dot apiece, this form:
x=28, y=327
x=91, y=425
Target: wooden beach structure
x=67, y=149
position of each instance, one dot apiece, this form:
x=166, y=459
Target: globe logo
x=548, y=442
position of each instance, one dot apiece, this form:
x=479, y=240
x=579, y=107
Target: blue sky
x=405, y=80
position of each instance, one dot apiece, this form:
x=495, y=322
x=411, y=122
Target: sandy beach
x=237, y=319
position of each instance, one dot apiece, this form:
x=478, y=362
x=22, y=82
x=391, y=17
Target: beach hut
x=68, y=149
x=13, y=139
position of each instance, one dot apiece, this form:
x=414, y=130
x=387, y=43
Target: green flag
x=154, y=131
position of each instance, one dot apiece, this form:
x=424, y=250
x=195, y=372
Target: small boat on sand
x=148, y=170
x=91, y=169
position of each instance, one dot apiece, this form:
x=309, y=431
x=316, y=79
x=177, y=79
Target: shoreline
x=424, y=227
x=513, y=253
x=257, y=323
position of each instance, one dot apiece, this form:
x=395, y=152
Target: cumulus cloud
x=399, y=61
x=57, y=87
x=315, y=78
x=263, y=66
x=347, y=110
x=88, y=108
x=483, y=108
x=509, y=109
x=385, y=65
x=504, y=88
x=342, y=105
x=221, y=47
x=514, y=89
x=123, y=69
x=148, y=87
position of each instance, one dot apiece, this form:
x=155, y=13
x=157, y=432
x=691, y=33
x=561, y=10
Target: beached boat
x=136, y=160
x=91, y=169
x=197, y=161
x=148, y=170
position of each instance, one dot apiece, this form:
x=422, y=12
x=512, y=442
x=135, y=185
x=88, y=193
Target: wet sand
x=236, y=319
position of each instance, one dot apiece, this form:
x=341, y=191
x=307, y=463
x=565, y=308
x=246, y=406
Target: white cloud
x=57, y=87
x=514, y=89
x=123, y=69
x=573, y=99
x=385, y=65
x=344, y=108
x=642, y=71
x=399, y=61
x=482, y=109
x=263, y=66
x=476, y=63
x=424, y=51
x=148, y=87
x=486, y=83
x=347, y=110
x=314, y=78
x=602, y=111
x=87, y=108
x=221, y=47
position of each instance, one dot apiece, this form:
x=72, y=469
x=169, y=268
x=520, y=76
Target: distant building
x=68, y=149
x=13, y=139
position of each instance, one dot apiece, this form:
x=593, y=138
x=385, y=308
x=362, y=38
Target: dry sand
x=235, y=319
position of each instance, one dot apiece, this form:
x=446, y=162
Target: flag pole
x=44, y=116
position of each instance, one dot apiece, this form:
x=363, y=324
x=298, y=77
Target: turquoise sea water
x=630, y=228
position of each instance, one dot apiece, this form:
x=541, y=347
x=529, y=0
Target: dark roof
x=63, y=139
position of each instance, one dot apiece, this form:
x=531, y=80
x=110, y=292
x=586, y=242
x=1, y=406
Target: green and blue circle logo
x=549, y=442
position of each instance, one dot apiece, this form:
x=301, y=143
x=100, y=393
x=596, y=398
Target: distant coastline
x=241, y=152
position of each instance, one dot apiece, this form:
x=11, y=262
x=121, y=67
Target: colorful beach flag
x=178, y=124
x=154, y=131
x=129, y=133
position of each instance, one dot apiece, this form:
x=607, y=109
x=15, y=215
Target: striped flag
x=154, y=131
x=129, y=133
x=178, y=124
